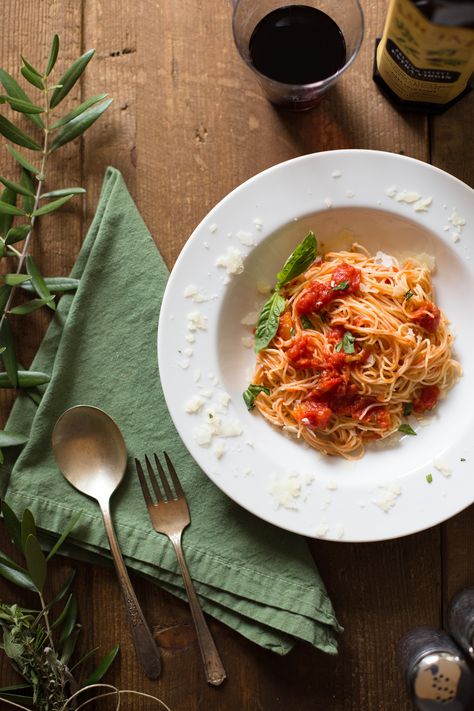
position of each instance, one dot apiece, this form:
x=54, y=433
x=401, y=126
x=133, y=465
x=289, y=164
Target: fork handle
x=145, y=646
x=213, y=667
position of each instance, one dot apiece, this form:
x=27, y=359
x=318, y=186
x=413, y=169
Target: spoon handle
x=145, y=646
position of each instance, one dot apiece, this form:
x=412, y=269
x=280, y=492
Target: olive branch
x=24, y=201
x=40, y=642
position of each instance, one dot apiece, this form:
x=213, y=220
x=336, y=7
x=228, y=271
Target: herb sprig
x=24, y=200
x=298, y=261
x=40, y=645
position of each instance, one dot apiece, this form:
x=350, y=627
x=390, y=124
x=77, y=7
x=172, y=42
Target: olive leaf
x=29, y=198
x=17, y=234
x=26, y=379
x=63, y=590
x=51, y=206
x=70, y=645
x=8, y=209
x=56, y=285
x=53, y=55
x=24, y=107
x=21, y=159
x=64, y=612
x=8, y=355
x=70, y=77
x=15, y=134
x=28, y=527
x=29, y=306
x=7, y=197
x=15, y=279
x=16, y=187
x=13, y=89
x=11, y=572
x=12, y=522
x=103, y=667
x=39, y=283
x=79, y=124
x=79, y=110
x=63, y=191
x=64, y=535
x=35, y=562
x=4, y=294
x=32, y=78
x=69, y=622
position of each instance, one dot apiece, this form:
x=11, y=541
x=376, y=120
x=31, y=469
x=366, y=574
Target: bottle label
x=421, y=61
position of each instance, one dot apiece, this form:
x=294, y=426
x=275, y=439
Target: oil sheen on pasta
x=361, y=347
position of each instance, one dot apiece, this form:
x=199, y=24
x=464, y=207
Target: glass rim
x=313, y=85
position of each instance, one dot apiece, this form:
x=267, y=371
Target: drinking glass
x=347, y=14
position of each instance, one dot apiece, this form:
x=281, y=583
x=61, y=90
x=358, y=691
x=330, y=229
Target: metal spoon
x=90, y=452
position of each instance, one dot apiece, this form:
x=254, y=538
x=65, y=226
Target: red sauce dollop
x=427, y=316
x=318, y=295
x=427, y=398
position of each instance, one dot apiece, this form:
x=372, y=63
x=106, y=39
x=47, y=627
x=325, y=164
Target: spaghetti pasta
x=359, y=345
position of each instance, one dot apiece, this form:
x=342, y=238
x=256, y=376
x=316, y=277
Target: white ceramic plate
x=341, y=195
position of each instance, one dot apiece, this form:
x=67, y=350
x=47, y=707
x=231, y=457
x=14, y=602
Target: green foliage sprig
x=39, y=644
x=24, y=200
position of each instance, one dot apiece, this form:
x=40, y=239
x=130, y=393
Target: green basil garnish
x=251, y=393
x=268, y=320
x=429, y=478
x=347, y=343
x=341, y=286
x=408, y=295
x=407, y=408
x=299, y=260
x=406, y=429
x=306, y=323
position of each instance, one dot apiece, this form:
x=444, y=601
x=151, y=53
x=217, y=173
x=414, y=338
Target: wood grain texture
x=187, y=125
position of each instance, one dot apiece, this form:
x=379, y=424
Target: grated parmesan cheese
x=245, y=238
x=247, y=341
x=443, y=467
x=196, y=321
x=286, y=490
x=194, y=405
x=232, y=262
x=388, y=497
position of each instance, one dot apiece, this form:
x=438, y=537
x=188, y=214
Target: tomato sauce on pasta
x=360, y=345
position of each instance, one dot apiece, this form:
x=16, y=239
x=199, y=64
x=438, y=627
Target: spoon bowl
x=90, y=451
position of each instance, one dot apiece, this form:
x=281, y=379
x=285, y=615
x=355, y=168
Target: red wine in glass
x=297, y=44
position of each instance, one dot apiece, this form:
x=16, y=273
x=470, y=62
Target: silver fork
x=170, y=515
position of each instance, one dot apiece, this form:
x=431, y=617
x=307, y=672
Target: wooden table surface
x=187, y=125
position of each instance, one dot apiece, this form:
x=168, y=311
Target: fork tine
x=174, y=476
x=143, y=484
x=154, y=483
x=164, y=480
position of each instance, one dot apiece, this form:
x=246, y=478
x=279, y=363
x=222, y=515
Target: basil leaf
x=429, y=478
x=407, y=408
x=348, y=343
x=408, y=295
x=305, y=322
x=251, y=393
x=338, y=347
x=299, y=260
x=341, y=286
x=406, y=429
x=269, y=320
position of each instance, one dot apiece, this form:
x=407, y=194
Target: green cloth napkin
x=101, y=350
